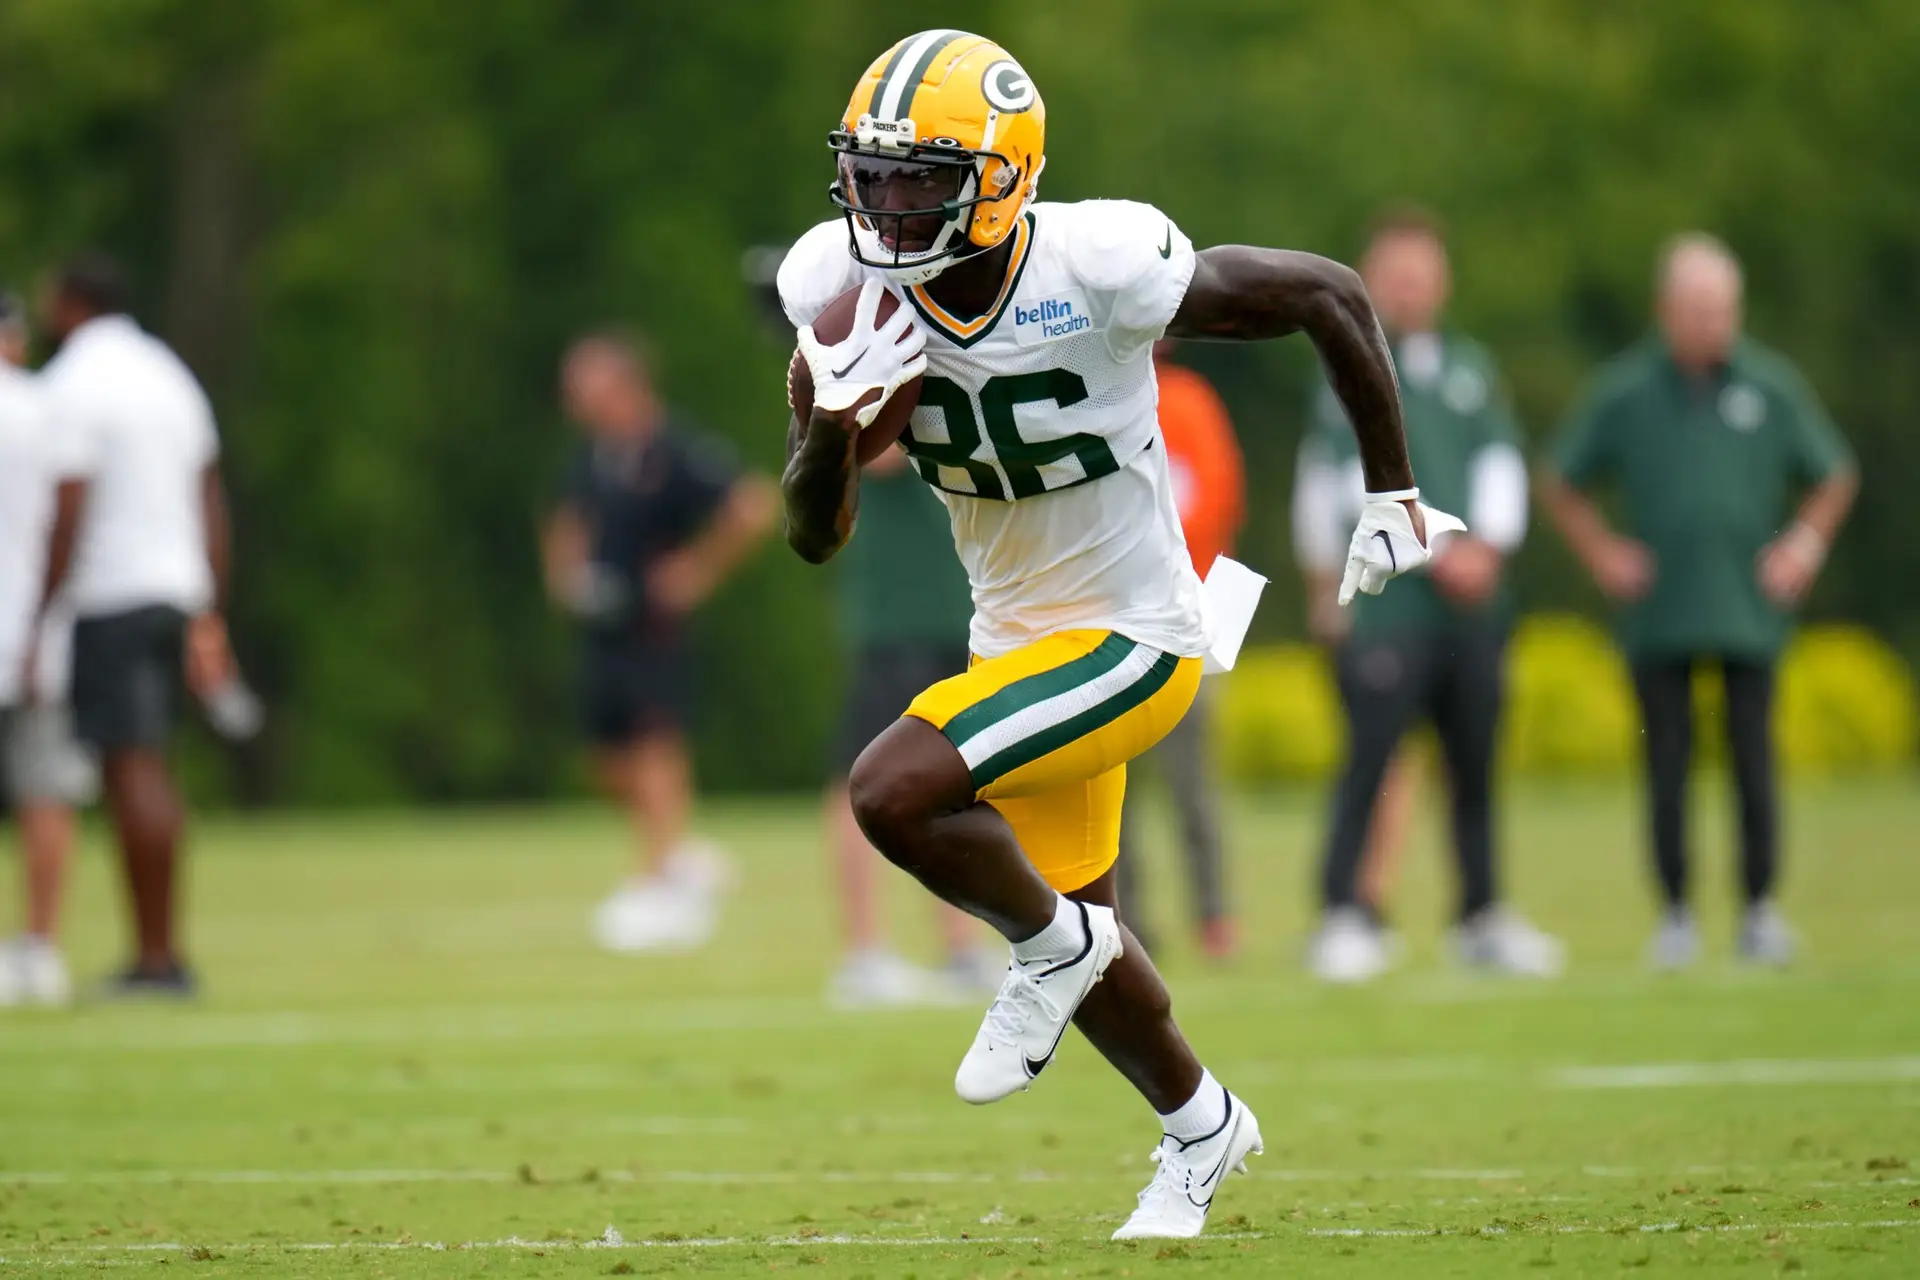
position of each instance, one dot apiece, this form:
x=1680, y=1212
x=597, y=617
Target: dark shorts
x=126, y=677
x=881, y=683
x=632, y=691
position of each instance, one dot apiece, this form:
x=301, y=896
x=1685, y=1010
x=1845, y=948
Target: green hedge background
x=1846, y=704
x=372, y=224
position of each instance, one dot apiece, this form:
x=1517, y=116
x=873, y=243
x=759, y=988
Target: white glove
x=1384, y=545
x=872, y=358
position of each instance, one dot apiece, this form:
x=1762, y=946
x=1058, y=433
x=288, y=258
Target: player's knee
x=887, y=805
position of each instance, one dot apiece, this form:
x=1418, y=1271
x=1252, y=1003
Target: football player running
x=1033, y=325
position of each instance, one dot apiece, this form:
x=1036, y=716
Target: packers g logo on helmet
x=1007, y=87
x=940, y=152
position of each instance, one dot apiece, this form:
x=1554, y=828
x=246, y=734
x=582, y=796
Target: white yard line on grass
x=354, y=1177
x=1592, y=1229
x=274, y=1029
x=836, y=1177
x=613, y=1239
x=279, y=1028
x=1748, y=1071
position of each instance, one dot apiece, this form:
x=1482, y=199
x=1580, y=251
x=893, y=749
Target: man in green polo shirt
x=905, y=611
x=1433, y=647
x=1706, y=437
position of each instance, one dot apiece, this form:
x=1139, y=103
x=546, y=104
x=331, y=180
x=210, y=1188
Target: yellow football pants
x=1047, y=731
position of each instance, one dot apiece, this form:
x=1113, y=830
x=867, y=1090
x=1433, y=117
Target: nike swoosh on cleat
x=1036, y=1066
x=1208, y=1202
x=1166, y=250
x=1213, y=1177
x=1381, y=534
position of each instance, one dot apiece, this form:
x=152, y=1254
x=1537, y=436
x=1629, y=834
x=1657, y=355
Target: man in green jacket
x=1433, y=649
x=1707, y=438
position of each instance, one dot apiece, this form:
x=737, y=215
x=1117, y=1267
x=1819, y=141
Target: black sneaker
x=137, y=982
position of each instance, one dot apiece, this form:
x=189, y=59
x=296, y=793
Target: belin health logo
x=1055, y=318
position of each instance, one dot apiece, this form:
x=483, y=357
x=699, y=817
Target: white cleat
x=1024, y=1023
x=1349, y=948
x=1501, y=941
x=32, y=971
x=1174, y=1205
x=875, y=978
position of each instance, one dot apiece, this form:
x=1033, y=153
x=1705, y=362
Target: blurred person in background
x=1209, y=486
x=140, y=547
x=43, y=772
x=1707, y=437
x=1435, y=649
x=905, y=610
x=1320, y=497
x=652, y=518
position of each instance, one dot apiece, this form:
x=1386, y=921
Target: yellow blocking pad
x=1047, y=731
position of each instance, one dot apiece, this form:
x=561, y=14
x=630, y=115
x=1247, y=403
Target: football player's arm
x=1241, y=293
x=821, y=486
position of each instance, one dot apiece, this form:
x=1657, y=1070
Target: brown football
x=833, y=325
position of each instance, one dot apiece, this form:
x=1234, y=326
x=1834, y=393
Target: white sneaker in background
x=701, y=867
x=44, y=973
x=1675, y=945
x=1502, y=941
x=32, y=971
x=1174, y=1205
x=13, y=976
x=974, y=972
x=676, y=909
x=653, y=914
x=875, y=978
x=1766, y=938
x=1024, y=1023
x=1349, y=948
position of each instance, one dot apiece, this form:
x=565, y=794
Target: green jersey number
x=1021, y=459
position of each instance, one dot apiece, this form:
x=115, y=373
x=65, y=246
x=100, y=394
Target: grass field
x=410, y=1063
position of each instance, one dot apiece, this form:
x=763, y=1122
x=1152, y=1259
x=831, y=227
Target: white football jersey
x=1038, y=425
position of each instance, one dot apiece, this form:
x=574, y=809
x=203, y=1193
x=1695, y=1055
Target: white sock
x=1201, y=1115
x=1060, y=940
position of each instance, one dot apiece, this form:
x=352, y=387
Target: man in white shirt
x=139, y=546
x=43, y=772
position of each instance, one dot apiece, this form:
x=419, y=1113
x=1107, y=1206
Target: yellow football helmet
x=940, y=152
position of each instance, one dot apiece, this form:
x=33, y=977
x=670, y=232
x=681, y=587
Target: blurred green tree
x=373, y=224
